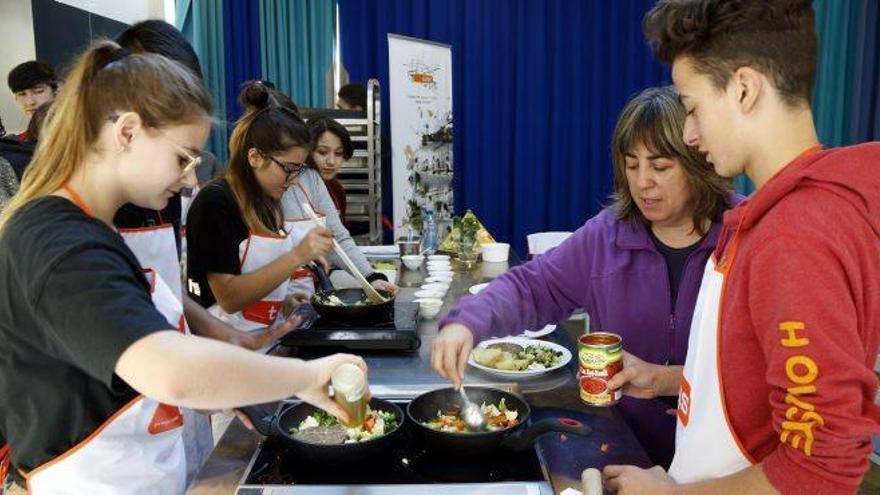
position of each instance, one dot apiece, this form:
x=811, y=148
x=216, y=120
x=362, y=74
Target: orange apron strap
x=77, y=199
x=4, y=464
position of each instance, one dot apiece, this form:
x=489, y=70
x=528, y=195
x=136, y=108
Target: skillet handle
x=549, y=425
x=323, y=278
x=262, y=416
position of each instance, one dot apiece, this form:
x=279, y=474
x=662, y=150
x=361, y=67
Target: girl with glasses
x=242, y=259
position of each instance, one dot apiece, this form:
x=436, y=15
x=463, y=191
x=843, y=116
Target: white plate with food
x=518, y=357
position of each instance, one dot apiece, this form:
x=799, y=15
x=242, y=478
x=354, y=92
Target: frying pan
x=519, y=437
x=271, y=425
x=348, y=314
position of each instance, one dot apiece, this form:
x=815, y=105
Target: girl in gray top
x=309, y=188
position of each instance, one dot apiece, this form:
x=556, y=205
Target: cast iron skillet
x=348, y=314
x=520, y=437
x=268, y=424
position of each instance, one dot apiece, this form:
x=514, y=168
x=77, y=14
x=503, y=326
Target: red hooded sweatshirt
x=800, y=320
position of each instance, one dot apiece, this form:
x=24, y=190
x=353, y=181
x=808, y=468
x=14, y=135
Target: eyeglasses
x=293, y=170
x=192, y=161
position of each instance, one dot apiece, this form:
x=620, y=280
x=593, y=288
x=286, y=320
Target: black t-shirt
x=134, y=217
x=73, y=298
x=214, y=230
x=675, y=260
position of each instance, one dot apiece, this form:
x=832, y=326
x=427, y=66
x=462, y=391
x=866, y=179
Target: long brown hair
x=655, y=118
x=106, y=79
x=269, y=128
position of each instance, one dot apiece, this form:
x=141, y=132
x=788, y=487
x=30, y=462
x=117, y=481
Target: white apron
x=297, y=228
x=705, y=446
x=156, y=250
x=139, y=450
x=255, y=252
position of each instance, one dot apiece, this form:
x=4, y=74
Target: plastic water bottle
x=429, y=233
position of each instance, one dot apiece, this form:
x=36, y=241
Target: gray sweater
x=322, y=203
x=8, y=182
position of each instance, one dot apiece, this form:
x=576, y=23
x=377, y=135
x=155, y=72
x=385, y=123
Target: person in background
x=19, y=153
x=96, y=362
x=779, y=389
x=635, y=268
x=33, y=83
x=352, y=96
x=331, y=147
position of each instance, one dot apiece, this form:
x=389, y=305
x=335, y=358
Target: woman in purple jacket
x=635, y=268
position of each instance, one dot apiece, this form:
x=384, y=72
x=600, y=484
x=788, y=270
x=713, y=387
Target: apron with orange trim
x=156, y=250
x=297, y=228
x=138, y=450
x=255, y=252
x=705, y=445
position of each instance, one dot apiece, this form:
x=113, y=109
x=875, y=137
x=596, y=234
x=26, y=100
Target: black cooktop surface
x=405, y=462
x=398, y=331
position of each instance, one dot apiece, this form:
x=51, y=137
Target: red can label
x=600, y=356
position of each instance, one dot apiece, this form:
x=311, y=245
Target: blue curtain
x=865, y=119
x=537, y=87
x=241, y=29
x=846, y=100
x=201, y=23
x=297, y=47
x=836, y=25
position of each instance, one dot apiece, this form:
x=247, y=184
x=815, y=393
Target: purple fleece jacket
x=612, y=269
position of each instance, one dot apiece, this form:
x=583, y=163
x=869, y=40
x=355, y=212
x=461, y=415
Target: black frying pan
x=269, y=424
x=348, y=314
x=519, y=437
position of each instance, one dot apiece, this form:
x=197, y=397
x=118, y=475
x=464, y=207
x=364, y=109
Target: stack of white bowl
x=431, y=294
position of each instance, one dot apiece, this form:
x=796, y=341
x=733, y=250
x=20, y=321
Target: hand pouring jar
x=600, y=356
x=349, y=391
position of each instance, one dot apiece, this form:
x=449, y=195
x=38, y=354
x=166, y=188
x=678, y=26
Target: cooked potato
x=506, y=364
x=486, y=357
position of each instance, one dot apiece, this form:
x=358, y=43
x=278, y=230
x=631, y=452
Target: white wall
x=128, y=11
x=16, y=46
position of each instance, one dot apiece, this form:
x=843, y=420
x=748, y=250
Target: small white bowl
x=496, y=252
x=429, y=294
x=412, y=261
x=440, y=273
x=439, y=266
x=429, y=307
x=443, y=279
x=439, y=257
x=436, y=286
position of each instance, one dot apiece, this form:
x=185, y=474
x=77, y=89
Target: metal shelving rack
x=362, y=174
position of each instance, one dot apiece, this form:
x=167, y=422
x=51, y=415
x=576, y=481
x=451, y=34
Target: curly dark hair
x=776, y=37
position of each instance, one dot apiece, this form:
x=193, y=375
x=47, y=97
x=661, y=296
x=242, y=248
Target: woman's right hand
x=317, y=243
x=450, y=352
x=320, y=370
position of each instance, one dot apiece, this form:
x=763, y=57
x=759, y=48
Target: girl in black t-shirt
x=240, y=257
x=95, y=362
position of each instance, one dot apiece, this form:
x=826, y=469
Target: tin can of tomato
x=601, y=356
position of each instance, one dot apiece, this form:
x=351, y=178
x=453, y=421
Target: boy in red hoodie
x=778, y=394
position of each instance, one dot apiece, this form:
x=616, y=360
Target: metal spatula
x=372, y=294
